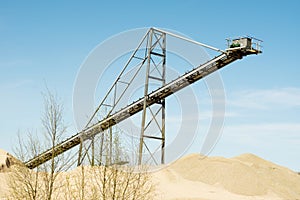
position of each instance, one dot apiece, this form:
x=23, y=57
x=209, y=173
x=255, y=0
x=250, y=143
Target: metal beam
x=190, y=40
x=158, y=95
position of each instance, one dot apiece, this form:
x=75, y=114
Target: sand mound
x=6, y=160
x=196, y=177
x=245, y=175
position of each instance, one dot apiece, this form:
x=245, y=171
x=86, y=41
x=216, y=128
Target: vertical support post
x=150, y=35
x=79, y=154
x=153, y=117
x=93, y=151
x=164, y=45
x=110, y=145
x=156, y=70
x=101, y=148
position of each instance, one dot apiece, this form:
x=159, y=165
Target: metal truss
x=149, y=54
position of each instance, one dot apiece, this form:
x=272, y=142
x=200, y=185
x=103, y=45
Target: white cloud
x=14, y=85
x=266, y=99
x=272, y=134
x=278, y=142
x=13, y=63
x=201, y=115
x=284, y=129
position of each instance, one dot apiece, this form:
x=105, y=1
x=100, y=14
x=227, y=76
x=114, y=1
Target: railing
x=255, y=43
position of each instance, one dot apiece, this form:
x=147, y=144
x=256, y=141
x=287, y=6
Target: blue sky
x=46, y=42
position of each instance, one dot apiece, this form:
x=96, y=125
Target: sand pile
x=6, y=160
x=244, y=175
x=195, y=177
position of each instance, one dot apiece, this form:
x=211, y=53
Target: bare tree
x=122, y=183
x=24, y=183
x=108, y=183
x=110, y=180
x=116, y=179
x=40, y=183
x=54, y=130
x=76, y=185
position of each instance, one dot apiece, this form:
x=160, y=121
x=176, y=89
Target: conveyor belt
x=156, y=96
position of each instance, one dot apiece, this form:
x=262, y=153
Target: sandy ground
x=194, y=177
x=210, y=178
